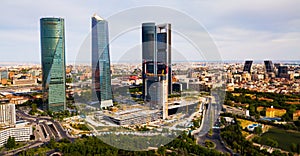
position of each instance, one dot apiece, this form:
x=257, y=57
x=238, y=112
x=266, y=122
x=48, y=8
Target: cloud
x=241, y=29
x=245, y=44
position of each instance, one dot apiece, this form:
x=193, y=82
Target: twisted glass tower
x=53, y=63
x=101, y=61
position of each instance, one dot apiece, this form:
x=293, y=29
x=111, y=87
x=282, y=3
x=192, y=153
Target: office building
x=247, y=66
x=133, y=116
x=269, y=66
x=24, y=82
x=53, y=63
x=164, y=52
x=21, y=132
x=156, y=64
x=101, y=62
x=9, y=127
x=4, y=74
x=276, y=65
x=7, y=115
x=149, y=67
x=282, y=70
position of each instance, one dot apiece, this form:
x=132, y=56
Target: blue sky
x=268, y=29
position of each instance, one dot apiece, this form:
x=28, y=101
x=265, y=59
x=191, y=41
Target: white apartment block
x=7, y=115
x=9, y=127
x=21, y=132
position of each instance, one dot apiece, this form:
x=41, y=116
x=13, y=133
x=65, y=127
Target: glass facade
x=149, y=58
x=269, y=66
x=101, y=61
x=156, y=64
x=53, y=63
x=156, y=55
x=247, y=66
x=164, y=51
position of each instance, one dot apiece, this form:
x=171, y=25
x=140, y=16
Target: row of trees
x=183, y=145
x=269, y=142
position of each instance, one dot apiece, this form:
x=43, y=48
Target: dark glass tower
x=247, y=66
x=53, y=63
x=149, y=66
x=269, y=66
x=164, y=52
x=156, y=72
x=101, y=61
x=282, y=70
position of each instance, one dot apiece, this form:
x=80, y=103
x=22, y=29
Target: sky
x=240, y=30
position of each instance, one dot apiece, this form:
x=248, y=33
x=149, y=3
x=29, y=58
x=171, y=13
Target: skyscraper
x=269, y=66
x=53, y=63
x=156, y=70
x=282, y=71
x=164, y=51
x=149, y=66
x=247, y=66
x=101, y=61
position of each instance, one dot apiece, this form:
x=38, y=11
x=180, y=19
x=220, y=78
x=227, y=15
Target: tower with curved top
x=52, y=31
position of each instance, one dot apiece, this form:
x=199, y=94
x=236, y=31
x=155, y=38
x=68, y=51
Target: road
x=28, y=146
x=216, y=138
x=45, y=129
x=210, y=115
x=61, y=133
x=210, y=121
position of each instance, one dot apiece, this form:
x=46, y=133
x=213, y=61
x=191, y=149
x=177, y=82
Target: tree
x=286, y=117
x=51, y=143
x=257, y=139
x=294, y=147
x=11, y=143
x=258, y=130
x=161, y=150
x=34, y=107
x=263, y=112
x=209, y=144
x=271, y=142
x=69, y=80
x=257, y=116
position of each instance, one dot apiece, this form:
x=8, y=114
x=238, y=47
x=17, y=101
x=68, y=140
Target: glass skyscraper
x=156, y=65
x=269, y=66
x=53, y=63
x=156, y=54
x=247, y=66
x=101, y=61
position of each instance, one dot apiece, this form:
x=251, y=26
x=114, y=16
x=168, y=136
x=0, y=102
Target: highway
x=57, y=131
x=209, y=121
x=45, y=129
x=28, y=146
x=210, y=115
x=206, y=122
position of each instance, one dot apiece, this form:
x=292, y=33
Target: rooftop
x=97, y=17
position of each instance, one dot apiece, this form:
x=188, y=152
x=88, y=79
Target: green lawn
x=283, y=137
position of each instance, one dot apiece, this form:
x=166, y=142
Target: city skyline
x=150, y=78
x=237, y=29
